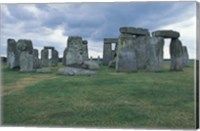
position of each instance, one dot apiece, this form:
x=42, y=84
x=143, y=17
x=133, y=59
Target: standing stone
x=91, y=59
x=85, y=50
x=12, y=54
x=185, y=57
x=64, y=57
x=44, y=58
x=176, y=53
x=26, y=55
x=74, y=51
x=141, y=44
x=154, y=54
x=54, y=58
x=99, y=60
x=36, y=61
x=126, y=56
x=107, y=53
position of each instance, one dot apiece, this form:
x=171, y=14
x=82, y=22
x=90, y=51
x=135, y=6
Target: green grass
x=109, y=99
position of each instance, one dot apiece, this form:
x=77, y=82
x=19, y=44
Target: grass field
x=109, y=99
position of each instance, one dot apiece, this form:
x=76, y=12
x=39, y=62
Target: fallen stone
x=71, y=71
x=91, y=65
x=134, y=31
x=43, y=70
x=166, y=34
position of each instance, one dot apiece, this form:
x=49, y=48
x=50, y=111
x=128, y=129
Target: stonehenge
x=138, y=50
x=135, y=49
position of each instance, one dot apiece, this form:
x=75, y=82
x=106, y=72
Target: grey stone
x=111, y=40
x=43, y=70
x=12, y=54
x=26, y=61
x=112, y=64
x=25, y=45
x=99, y=60
x=107, y=53
x=91, y=65
x=54, y=58
x=155, y=54
x=44, y=58
x=126, y=55
x=185, y=57
x=140, y=44
x=74, y=51
x=176, y=53
x=26, y=55
x=71, y=71
x=85, y=50
x=134, y=31
x=49, y=47
x=166, y=34
x=64, y=57
x=36, y=60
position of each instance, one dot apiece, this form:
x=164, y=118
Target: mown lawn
x=109, y=99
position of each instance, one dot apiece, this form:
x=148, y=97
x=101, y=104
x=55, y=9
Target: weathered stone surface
x=110, y=40
x=85, y=50
x=25, y=45
x=64, y=57
x=91, y=65
x=54, y=58
x=154, y=54
x=26, y=55
x=71, y=71
x=134, y=31
x=26, y=61
x=107, y=53
x=44, y=58
x=43, y=70
x=185, y=57
x=74, y=51
x=112, y=64
x=140, y=44
x=166, y=34
x=126, y=55
x=176, y=53
x=12, y=54
x=36, y=61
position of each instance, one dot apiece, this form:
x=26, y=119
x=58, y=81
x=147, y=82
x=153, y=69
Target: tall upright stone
x=107, y=53
x=26, y=55
x=36, y=60
x=154, y=54
x=176, y=53
x=54, y=58
x=185, y=57
x=64, y=57
x=12, y=54
x=85, y=50
x=126, y=55
x=141, y=44
x=74, y=51
x=44, y=58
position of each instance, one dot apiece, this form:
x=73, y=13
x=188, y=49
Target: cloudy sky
x=51, y=24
